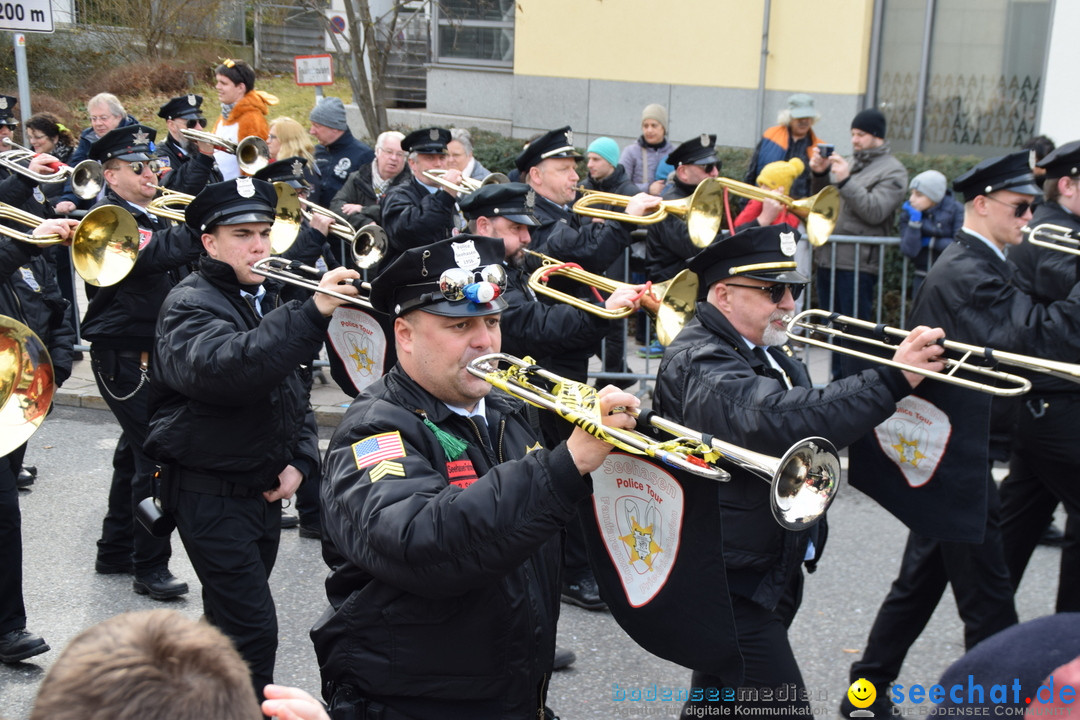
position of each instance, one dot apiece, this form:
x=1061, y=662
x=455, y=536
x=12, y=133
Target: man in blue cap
x=970, y=293
x=232, y=424
x=728, y=374
x=442, y=511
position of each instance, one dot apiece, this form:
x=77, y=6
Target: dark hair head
x=1041, y=144
x=238, y=72
x=51, y=126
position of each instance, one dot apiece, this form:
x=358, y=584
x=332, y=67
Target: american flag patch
x=376, y=448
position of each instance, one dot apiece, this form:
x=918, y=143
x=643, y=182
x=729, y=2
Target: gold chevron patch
x=534, y=448
x=384, y=468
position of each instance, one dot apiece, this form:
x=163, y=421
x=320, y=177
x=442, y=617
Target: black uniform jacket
x=667, y=246
x=227, y=397
x=29, y=294
x=710, y=381
x=567, y=237
x=360, y=190
x=443, y=598
x=335, y=162
x=122, y=316
x=188, y=172
x=413, y=217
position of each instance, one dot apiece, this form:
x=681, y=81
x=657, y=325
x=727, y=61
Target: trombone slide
x=294, y=272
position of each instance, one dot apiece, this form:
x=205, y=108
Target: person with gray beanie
x=338, y=153
x=929, y=220
x=643, y=157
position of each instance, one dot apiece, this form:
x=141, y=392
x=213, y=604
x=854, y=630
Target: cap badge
x=466, y=255
x=704, y=140
x=433, y=134
x=787, y=243
x=569, y=137
x=297, y=168
x=192, y=101
x=530, y=199
x=3, y=103
x=245, y=187
x=141, y=137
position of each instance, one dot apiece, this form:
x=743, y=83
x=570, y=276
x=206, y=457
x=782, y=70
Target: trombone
x=703, y=211
x=467, y=185
x=1018, y=385
x=104, y=246
x=252, y=153
x=368, y=244
x=1054, y=237
x=803, y=481
x=671, y=302
x=819, y=212
x=27, y=383
x=294, y=272
x=87, y=178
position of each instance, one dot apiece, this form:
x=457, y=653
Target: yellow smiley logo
x=862, y=693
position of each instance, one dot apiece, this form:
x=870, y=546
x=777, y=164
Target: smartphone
x=825, y=149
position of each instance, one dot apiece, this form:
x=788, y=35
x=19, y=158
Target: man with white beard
x=727, y=374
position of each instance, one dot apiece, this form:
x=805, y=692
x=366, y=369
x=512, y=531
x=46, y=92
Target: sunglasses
x=138, y=166
x=775, y=292
x=708, y=168
x=1019, y=209
x=193, y=123
x=478, y=286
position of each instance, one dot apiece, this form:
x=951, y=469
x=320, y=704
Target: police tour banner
x=360, y=343
x=655, y=542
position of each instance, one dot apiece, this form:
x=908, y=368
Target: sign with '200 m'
x=26, y=15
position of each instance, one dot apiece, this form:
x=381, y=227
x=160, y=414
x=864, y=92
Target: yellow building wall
x=818, y=47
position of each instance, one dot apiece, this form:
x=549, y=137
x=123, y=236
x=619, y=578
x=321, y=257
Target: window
x=475, y=32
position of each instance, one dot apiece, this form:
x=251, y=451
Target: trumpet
x=294, y=272
x=104, y=245
x=819, y=212
x=467, y=185
x=368, y=243
x=1054, y=237
x=87, y=178
x=1017, y=385
x=671, y=303
x=27, y=383
x=703, y=211
x=252, y=153
x=803, y=482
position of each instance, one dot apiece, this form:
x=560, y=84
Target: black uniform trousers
x=124, y=540
x=980, y=584
x=12, y=610
x=232, y=543
x=1044, y=469
x=771, y=675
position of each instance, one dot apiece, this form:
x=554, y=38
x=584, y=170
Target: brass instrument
x=26, y=383
x=368, y=243
x=819, y=212
x=87, y=178
x=1019, y=385
x=104, y=245
x=703, y=211
x=671, y=302
x=1054, y=237
x=467, y=185
x=293, y=272
x=252, y=153
x=803, y=482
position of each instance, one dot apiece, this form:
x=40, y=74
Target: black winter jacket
x=227, y=397
x=668, y=248
x=122, y=316
x=565, y=236
x=443, y=598
x=335, y=162
x=412, y=217
x=709, y=380
x=359, y=190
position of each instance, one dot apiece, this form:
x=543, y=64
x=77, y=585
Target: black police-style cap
x=1064, y=161
x=428, y=141
x=288, y=170
x=761, y=253
x=552, y=144
x=185, y=106
x=236, y=201
x=413, y=281
x=1008, y=172
x=513, y=201
x=130, y=142
x=7, y=110
x=699, y=151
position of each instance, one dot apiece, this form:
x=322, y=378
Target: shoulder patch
x=376, y=448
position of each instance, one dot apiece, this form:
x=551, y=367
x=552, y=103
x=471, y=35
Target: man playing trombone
x=727, y=374
x=188, y=166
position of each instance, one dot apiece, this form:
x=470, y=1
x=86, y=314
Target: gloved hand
x=913, y=214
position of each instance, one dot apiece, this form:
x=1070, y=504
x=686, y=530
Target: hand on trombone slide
x=617, y=409
x=341, y=282
x=922, y=349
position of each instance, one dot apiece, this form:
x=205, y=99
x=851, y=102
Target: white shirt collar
x=989, y=244
x=478, y=411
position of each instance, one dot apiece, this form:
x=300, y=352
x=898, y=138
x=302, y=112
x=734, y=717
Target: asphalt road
x=62, y=519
